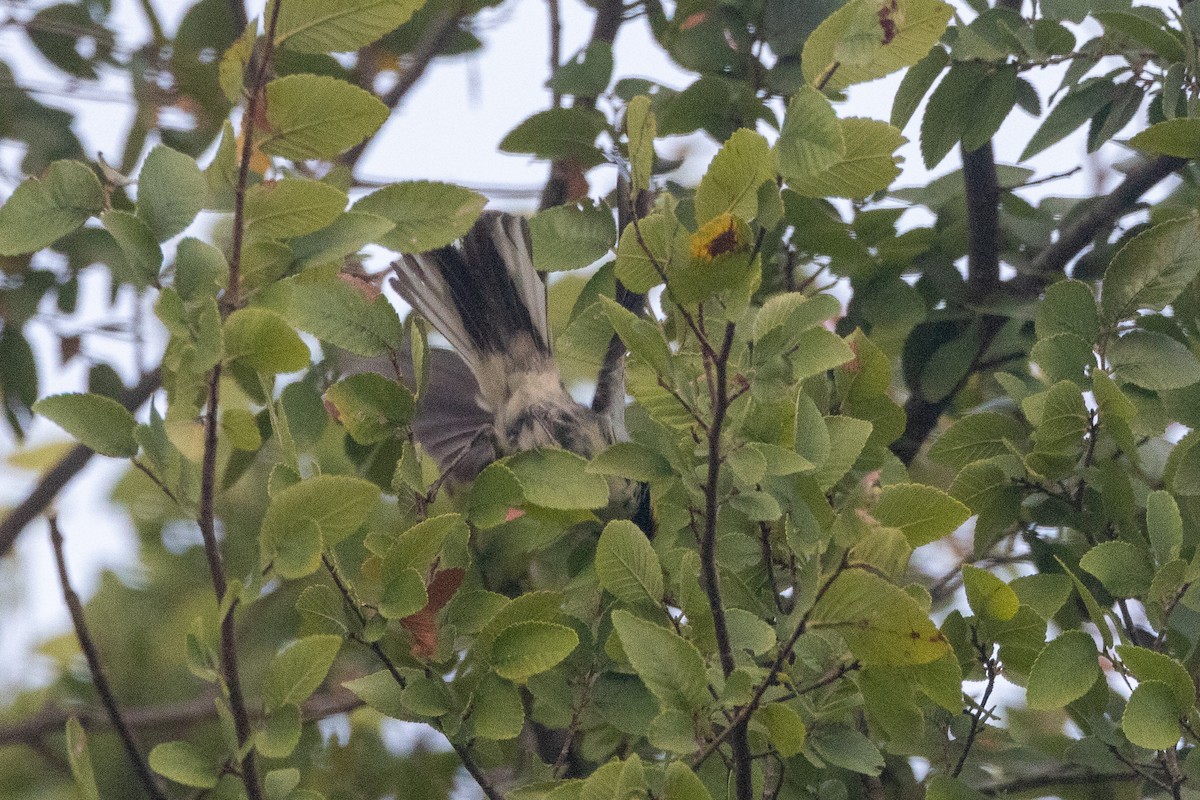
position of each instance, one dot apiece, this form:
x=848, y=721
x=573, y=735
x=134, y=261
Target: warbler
x=506, y=394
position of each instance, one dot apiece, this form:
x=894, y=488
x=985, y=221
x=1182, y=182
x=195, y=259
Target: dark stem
x=555, y=21
x=216, y=571
x=1103, y=214
x=464, y=751
x=983, y=222
x=67, y=467
x=75, y=607
x=609, y=16
x=232, y=299
x=781, y=659
x=171, y=717
x=981, y=710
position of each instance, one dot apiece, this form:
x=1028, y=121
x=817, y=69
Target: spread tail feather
x=485, y=297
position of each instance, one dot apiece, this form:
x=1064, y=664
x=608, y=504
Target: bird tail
x=486, y=298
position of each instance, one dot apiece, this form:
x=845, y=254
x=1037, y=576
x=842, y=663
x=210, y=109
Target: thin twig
x=155, y=480
x=981, y=710
x=99, y=679
x=463, y=750
x=555, y=22
x=781, y=658
x=167, y=717
x=67, y=467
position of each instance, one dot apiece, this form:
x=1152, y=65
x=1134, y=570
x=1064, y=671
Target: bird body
x=485, y=297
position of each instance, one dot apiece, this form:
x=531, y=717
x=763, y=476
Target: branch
x=983, y=222
x=1051, y=780
x=1102, y=215
x=208, y=468
x=436, y=37
x=58, y=476
x=172, y=716
x=742, y=758
x=99, y=679
x=555, y=23
x=354, y=606
x=609, y=16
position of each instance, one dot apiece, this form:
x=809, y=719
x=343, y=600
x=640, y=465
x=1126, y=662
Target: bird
x=500, y=392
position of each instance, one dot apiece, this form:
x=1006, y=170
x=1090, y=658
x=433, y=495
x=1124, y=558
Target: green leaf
x=279, y=737
x=811, y=140
x=943, y=787
x=264, y=342
x=882, y=624
x=143, y=256
x=847, y=438
x=404, y=592
x=370, y=407
x=1076, y=108
x=785, y=728
x=559, y=133
x=310, y=515
x=1153, y=360
x=924, y=513
x=1063, y=419
x=1121, y=567
x=292, y=207
x=643, y=338
x=171, y=192
x=323, y=26
x=1151, y=717
x=1145, y=32
x=730, y=184
x=337, y=313
x=989, y=596
x=427, y=214
x=915, y=86
x=640, y=128
x=976, y=437
x=1068, y=307
x=1151, y=270
x=1063, y=672
x=529, y=648
x=497, y=709
x=585, y=74
x=669, y=665
x=1045, y=592
x=627, y=565
x=1147, y=665
x=101, y=423
x=296, y=672
x=878, y=39
x=1172, y=137
x=558, y=479
x=1165, y=526
x=631, y=460
x=944, y=123
x=868, y=166
x=418, y=546
x=991, y=106
x=315, y=116
x=571, y=237
x=200, y=269
x=844, y=747
x=1064, y=356
x=666, y=244
x=80, y=761
x=349, y=233
x=381, y=692
x=183, y=763
x=43, y=210
x=681, y=783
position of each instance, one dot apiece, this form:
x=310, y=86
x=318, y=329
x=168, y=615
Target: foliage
x=771, y=635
